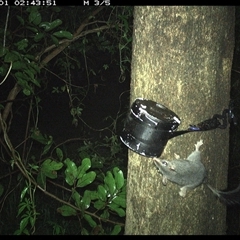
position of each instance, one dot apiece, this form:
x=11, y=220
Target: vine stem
x=16, y=89
x=18, y=162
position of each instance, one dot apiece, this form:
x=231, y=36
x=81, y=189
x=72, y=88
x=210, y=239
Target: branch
x=11, y=96
x=16, y=89
x=18, y=162
x=67, y=43
x=9, y=70
x=63, y=41
x=75, y=38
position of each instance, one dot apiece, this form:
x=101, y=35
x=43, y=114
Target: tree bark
x=181, y=58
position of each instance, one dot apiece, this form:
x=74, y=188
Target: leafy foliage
x=39, y=46
x=95, y=207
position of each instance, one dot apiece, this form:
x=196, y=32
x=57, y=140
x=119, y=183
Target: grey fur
x=190, y=173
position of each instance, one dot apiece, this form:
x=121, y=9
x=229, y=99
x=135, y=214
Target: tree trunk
x=182, y=58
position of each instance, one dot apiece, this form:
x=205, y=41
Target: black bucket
x=148, y=127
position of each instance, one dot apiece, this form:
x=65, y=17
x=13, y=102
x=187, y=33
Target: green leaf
x=45, y=25
x=30, y=73
x=55, y=40
x=70, y=172
x=41, y=180
x=59, y=153
x=119, y=178
x=33, y=166
x=52, y=165
x=92, y=194
x=67, y=211
x=3, y=51
x=86, y=179
x=28, y=58
x=48, y=26
x=39, y=137
x=57, y=9
x=114, y=207
x=33, y=66
x=38, y=37
x=85, y=165
x=20, y=19
x=27, y=92
x=22, y=78
x=23, y=193
x=25, y=231
x=3, y=70
x=33, y=29
x=11, y=57
x=86, y=200
x=49, y=168
x=17, y=232
x=17, y=65
x=120, y=201
x=105, y=214
x=32, y=221
x=35, y=82
x=21, y=207
x=77, y=198
x=44, y=139
x=48, y=145
x=99, y=205
x=89, y=219
x=24, y=223
x=110, y=182
x=34, y=17
x=116, y=230
x=22, y=44
x=63, y=34
x=84, y=231
x=102, y=193
x=122, y=194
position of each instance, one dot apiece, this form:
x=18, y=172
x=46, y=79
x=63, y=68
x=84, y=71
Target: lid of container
x=148, y=127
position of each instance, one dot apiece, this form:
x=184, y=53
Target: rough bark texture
x=182, y=58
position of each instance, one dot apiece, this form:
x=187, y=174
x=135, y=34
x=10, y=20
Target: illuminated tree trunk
x=182, y=58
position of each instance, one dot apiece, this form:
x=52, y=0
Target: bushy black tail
x=228, y=197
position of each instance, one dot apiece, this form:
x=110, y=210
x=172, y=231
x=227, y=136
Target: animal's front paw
x=164, y=180
x=176, y=156
x=183, y=191
x=198, y=144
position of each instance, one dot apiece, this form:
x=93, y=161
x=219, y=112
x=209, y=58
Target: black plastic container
x=148, y=127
